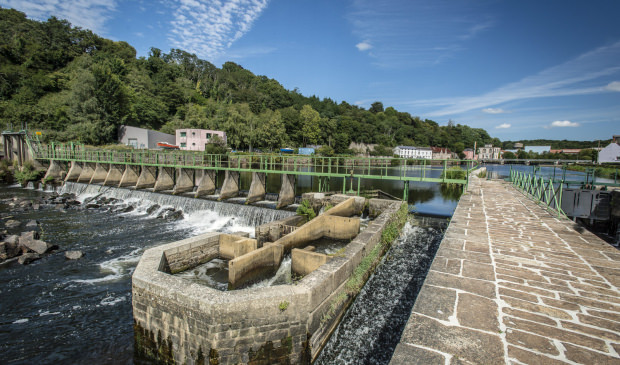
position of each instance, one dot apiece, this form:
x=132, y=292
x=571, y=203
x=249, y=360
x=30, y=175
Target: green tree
x=310, y=120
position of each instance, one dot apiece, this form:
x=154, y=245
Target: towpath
x=513, y=284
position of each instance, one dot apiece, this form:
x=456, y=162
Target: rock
x=109, y=252
x=174, y=215
x=39, y=246
x=12, y=239
x=126, y=209
x=93, y=206
x=36, y=206
x=27, y=258
x=152, y=209
x=3, y=251
x=73, y=255
x=11, y=223
x=32, y=225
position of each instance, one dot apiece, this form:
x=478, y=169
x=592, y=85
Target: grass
x=283, y=305
x=27, y=173
x=604, y=172
x=305, y=208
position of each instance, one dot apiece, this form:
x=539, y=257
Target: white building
x=414, y=152
x=610, y=153
x=488, y=152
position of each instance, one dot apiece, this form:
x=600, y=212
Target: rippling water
x=79, y=312
x=372, y=326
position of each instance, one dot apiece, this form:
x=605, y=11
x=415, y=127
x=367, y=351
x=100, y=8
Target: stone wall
x=189, y=322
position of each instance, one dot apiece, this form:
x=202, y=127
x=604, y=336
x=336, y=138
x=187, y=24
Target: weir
x=282, y=323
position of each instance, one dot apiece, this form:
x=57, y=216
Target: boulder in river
x=73, y=255
x=39, y=246
x=27, y=258
x=11, y=223
x=153, y=208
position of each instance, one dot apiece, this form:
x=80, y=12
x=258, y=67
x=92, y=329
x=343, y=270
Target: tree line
x=77, y=86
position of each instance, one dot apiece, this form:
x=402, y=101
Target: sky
x=520, y=69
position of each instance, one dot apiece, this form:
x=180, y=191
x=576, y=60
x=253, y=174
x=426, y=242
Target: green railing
x=325, y=167
x=545, y=191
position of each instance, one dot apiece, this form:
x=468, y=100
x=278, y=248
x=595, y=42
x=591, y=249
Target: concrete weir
x=114, y=176
x=274, y=324
x=130, y=176
x=185, y=181
x=206, y=183
x=230, y=188
x=74, y=171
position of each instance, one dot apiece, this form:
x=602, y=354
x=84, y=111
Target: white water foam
x=117, y=267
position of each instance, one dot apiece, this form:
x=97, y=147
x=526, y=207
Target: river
x=56, y=310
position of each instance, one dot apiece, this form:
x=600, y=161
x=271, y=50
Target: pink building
x=196, y=139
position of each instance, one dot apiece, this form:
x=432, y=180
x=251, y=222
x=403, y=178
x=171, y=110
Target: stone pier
x=206, y=184
x=230, y=188
x=87, y=172
x=287, y=191
x=100, y=173
x=146, y=178
x=257, y=188
x=130, y=176
x=74, y=171
x=514, y=284
x=114, y=176
x=165, y=179
x=185, y=181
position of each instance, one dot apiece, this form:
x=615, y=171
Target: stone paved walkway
x=513, y=284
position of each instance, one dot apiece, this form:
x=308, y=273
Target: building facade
x=469, y=154
x=197, y=139
x=440, y=153
x=488, y=152
x=611, y=153
x=142, y=138
x=414, y=152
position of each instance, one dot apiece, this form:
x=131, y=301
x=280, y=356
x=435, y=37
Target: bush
x=305, y=208
x=27, y=173
x=6, y=176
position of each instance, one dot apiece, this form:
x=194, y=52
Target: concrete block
x=305, y=261
x=232, y=246
x=254, y=263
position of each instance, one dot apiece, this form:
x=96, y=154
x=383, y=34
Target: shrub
x=6, y=176
x=305, y=208
x=27, y=173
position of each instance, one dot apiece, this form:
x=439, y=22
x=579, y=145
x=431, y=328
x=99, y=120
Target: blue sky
x=520, y=69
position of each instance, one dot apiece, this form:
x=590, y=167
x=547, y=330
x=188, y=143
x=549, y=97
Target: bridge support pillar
x=74, y=171
x=55, y=171
x=165, y=179
x=101, y=172
x=185, y=181
x=206, y=184
x=114, y=176
x=230, y=188
x=88, y=170
x=146, y=178
x=130, y=176
x=287, y=191
x=257, y=188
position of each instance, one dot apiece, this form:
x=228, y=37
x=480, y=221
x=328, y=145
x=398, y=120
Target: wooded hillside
x=75, y=85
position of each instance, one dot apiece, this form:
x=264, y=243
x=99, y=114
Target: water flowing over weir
x=372, y=326
x=247, y=215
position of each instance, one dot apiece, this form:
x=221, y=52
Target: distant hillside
x=75, y=85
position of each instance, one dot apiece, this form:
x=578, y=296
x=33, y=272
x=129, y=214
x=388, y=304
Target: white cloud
x=563, y=123
x=363, y=46
x=504, y=126
x=209, y=28
x=613, y=86
x=494, y=111
x=88, y=14
x=582, y=75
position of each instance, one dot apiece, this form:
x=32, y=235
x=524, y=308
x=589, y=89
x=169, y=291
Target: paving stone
x=614, y=316
x=613, y=336
x=471, y=345
x=599, y=322
x=477, y=270
x=510, y=278
x=556, y=333
x=408, y=354
x=480, y=287
x=529, y=289
x=584, y=356
x=518, y=294
x=436, y=302
x=450, y=266
x=590, y=302
x=477, y=312
x=531, y=358
x=529, y=316
x=533, y=342
x=560, y=304
x=537, y=308
x=465, y=255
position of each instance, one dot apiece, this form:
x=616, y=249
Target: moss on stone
x=268, y=354
x=157, y=349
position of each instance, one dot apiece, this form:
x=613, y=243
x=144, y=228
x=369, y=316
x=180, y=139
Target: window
x=183, y=144
x=133, y=142
x=208, y=135
x=193, y=134
x=183, y=134
x=193, y=144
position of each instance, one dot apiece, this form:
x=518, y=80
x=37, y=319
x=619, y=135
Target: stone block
x=304, y=262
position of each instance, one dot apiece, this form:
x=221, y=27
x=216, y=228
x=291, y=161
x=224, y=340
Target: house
x=488, y=152
x=469, y=154
x=440, y=153
x=611, y=153
x=567, y=151
x=142, y=138
x=197, y=139
x=538, y=149
x=414, y=152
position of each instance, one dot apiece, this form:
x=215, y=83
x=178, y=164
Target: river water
x=79, y=312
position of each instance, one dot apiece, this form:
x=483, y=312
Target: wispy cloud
x=494, y=111
x=587, y=74
x=503, y=126
x=363, y=46
x=613, y=86
x=209, y=28
x=88, y=14
x=563, y=124
x=408, y=33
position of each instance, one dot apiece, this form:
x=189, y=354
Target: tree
x=376, y=107
x=509, y=155
x=310, y=119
